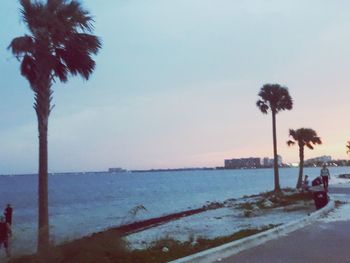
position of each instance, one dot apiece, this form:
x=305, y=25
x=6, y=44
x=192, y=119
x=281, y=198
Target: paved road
x=318, y=242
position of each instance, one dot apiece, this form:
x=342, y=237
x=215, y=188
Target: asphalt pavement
x=319, y=242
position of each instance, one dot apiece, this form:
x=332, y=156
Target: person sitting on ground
x=317, y=181
x=305, y=184
x=5, y=233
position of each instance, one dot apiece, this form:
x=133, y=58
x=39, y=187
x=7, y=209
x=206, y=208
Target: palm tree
x=348, y=148
x=59, y=44
x=275, y=98
x=304, y=137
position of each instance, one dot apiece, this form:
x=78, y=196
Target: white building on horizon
x=319, y=159
x=268, y=162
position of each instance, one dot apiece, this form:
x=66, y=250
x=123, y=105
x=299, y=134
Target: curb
x=234, y=247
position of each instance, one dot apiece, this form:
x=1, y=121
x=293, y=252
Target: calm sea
x=80, y=204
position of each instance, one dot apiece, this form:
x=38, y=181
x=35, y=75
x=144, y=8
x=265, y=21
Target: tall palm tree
x=59, y=44
x=304, y=137
x=275, y=98
x=348, y=148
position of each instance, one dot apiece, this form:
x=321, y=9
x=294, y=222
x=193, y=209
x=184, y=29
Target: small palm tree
x=348, y=148
x=304, y=137
x=58, y=45
x=275, y=98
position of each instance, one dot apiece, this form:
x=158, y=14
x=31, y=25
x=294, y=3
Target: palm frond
x=87, y=42
x=293, y=134
x=290, y=142
x=22, y=45
x=34, y=15
x=29, y=70
x=77, y=61
x=27, y=9
x=54, y=5
x=77, y=15
x=60, y=70
x=262, y=106
x=309, y=145
x=316, y=140
x=348, y=146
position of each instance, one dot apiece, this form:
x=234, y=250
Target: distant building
x=279, y=160
x=252, y=162
x=319, y=160
x=116, y=170
x=268, y=162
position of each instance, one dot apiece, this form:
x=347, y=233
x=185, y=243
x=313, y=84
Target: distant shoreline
x=163, y=170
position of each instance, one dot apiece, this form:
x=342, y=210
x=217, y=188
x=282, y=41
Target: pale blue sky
x=176, y=84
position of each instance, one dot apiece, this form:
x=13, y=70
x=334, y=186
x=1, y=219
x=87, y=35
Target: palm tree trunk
x=42, y=108
x=43, y=224
x=275, y=163
x=301, y=166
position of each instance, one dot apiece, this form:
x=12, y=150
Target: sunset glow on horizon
x=176, y=84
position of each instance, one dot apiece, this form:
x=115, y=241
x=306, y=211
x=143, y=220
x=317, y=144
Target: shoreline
x=243, y=204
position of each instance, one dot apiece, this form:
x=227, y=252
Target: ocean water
x=81, y=204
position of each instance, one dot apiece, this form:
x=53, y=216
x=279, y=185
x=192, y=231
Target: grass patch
x=106, y=247
x=246, y=205
x=270, y=200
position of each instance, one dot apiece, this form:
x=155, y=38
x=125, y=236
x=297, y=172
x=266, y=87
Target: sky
x=176, y=84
